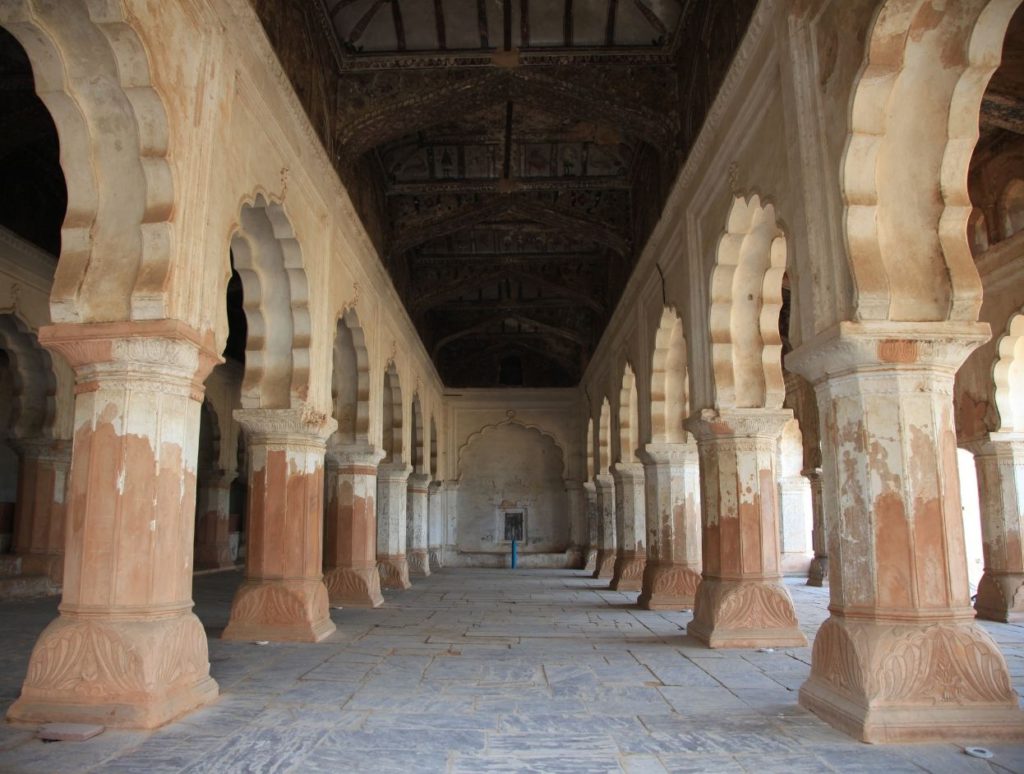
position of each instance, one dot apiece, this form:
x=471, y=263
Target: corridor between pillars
x=818, y=574
x=604, y=563
x=283, y=597
x=592, y=529
x=672, y=574
x=741, y=602
x=392, y=483
x=126, y=649
x=416, y=525
x=213, y=523
x=435, y=526
x=900, y=657
x=40, y=510
x=630, y=527
x=1000, y=464
x=350, y=551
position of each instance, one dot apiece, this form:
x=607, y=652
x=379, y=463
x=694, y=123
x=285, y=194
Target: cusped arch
x=92, y=72
x=918, y=96
x=417, y=440
x=746, y=300
x=33, y=398
x=1008, y=374
x=603, y=444
x=487, y=429
x=350, y=380
x=433, y=447
x=629, y=417
x=268, y=260
x=670, y=385
x=392, y=424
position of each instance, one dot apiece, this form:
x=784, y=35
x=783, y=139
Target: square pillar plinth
x=350, y=553
x=900, y=658
x=741, y=601
x=126, y=650
x=630, y=527
x=283, y=597
x=392, y=493
x=672, y=516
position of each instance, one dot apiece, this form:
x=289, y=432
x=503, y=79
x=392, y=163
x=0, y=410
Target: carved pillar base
x=120, y=674
x=435, y=558
x=818, y=573
x=419, y=563
x=628, y=571
x=1000, y=597
x=590, y=565
x=281, y=611
x=885, y=682
x=394, y=572
x=604, y=563
x=354, y=586
x=668, y=587
x=745, y=614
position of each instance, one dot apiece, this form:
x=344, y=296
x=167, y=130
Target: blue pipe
x=515, y=554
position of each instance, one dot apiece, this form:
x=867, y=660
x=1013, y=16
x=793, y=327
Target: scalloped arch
x=486, y=429
x=629, y=416
x=350, y=380
x=918, y=96
x=603, y=446
x=92, y=72
x=670, y=385
x=268, y=260
x=746, y=299
x=34, y=401
x=392, y=424
x=1008, y=374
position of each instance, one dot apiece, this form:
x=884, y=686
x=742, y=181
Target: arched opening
x=350, y=381
x=746, y=300
x=604, y=443
x=1008, y=375
x=629, y=419
x=416, y=439
x=670, y=386
x=1011, y=208
x=795, y=506
x=391, y=417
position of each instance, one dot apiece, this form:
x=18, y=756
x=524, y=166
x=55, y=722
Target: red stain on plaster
x=748, y=550
x=893, y=551
x=930, y=544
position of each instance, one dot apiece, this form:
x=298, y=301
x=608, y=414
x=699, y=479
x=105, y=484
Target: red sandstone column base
x=818, y=573
x=590, y=565
x=1000, y=597
x=887, y=682
x=394, y=572
x=745, y=614
x=628, y=572
x=120, y=674
x=604, y=563
x=419, y=563
x=281, y=611
x=435, y=558
x=669, y=587
x=353, y=587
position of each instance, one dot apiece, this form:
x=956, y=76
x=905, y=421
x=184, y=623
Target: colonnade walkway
x=489, y=670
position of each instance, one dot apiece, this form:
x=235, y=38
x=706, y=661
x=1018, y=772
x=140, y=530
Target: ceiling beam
x=561, y=294
x=542, y=329
x=1004, y=111
x=470, y=185
x=419, y=260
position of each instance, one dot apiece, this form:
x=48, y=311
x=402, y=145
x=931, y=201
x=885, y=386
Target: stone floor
x=488, y=670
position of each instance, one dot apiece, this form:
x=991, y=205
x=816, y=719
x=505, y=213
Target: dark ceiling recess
x=508, y=157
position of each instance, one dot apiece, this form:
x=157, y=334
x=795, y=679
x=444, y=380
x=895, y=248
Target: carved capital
x=286, y=427
x=727, y=424
x=671, y=454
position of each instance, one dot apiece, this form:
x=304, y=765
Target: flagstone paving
x=489, y=671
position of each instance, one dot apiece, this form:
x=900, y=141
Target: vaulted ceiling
x=508, y=157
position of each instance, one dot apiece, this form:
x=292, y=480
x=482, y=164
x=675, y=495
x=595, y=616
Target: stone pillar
x=818, y=573
x=672, y=481
x=900, y=658
x=392, y=480
x=575, y=499
x=213, y=521
x=435, y=525
x=605, y=561
x=283, y=597
x=126, y=649
x=999, y=460
x=590, y=495
x=795, y=512
x=630, y=527
x=741, y=602
x=417, y=554
x=450, y=498
x=41, y=509
x=350, y=549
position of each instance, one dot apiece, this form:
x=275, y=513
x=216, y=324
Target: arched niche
x=604, y=443
x=268, y=260
x=746, y=299
x=433, y=448
x=670, y=386
x=391, y=417
x=417, y=441
x=590, y=448
x=629, y=419
x=913, y=129
x=1008, y=375
x=350, y=381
